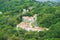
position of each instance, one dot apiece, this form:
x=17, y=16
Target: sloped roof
x=24, y=25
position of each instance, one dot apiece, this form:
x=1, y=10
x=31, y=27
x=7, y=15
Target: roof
x=27, y=25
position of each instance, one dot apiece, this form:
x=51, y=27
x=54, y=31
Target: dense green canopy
x=11, y=15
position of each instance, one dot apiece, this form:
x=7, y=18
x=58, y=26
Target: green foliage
x=48, y=16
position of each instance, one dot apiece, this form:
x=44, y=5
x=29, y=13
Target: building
x=29, y=23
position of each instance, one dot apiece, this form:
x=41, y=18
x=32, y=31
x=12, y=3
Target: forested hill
x=11, y=15
x=16, y=5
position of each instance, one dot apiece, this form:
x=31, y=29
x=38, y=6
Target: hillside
x=12, y=11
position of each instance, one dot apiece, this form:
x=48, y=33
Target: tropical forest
x=29, y=20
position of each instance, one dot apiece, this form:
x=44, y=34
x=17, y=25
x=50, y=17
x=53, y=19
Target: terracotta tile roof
x=26, y=26
x=23, y=24
x=38, y=28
